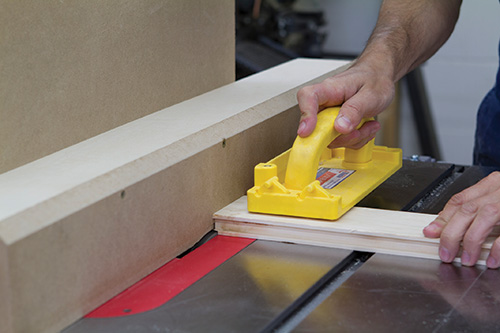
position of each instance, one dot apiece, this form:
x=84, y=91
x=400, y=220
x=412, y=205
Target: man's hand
x=406, y=34
x=469, y=217
x=362, y=92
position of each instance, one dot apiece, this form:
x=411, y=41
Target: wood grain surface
x=361, y=229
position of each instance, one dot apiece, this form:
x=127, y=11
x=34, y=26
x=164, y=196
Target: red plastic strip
x=169, y=280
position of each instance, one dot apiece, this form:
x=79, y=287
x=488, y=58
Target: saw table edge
x=360, y=229
x=98, y=216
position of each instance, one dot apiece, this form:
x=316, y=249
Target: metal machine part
x=280, y=287
x=242, y=295
x=424, y=187
x=395, y=294
x=461, y=178
x=408, y=185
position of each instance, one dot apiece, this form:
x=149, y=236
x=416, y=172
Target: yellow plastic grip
x=306, y=152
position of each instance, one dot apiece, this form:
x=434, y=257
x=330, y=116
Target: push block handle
x=306, y=152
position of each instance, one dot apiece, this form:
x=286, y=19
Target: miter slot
x=287, y=320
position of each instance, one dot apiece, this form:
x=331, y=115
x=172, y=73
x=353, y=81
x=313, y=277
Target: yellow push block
x=311, y=180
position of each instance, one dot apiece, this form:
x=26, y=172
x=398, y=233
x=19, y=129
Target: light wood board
x=361, y=229
x=81, y=225
x=70, y=70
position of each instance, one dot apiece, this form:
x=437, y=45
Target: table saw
x=99, y=236
x=230, y=284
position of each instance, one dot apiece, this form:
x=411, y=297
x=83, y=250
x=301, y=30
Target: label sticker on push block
x=329, y=178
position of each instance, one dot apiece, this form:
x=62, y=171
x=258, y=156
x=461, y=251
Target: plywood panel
x=82, y=224
x=70, y=70
x=362, y=229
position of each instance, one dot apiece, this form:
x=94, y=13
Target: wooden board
x=70, y=70
x=81, y=225
x=361, y=229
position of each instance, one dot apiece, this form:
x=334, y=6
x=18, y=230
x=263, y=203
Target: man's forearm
x=407, y=33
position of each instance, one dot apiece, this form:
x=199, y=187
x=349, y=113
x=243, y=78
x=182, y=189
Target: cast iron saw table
x=229, y=284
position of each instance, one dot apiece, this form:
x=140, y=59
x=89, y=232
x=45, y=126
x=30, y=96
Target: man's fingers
x=313, y=99
x=307, y=125
x=481, y=227
x=349, y=117
x=357, y=138
x=365, y=103
x=434, y=229
x=308, y=104
x=493, y=260
x=481, y=189
x=467, y=219
x=454, y=231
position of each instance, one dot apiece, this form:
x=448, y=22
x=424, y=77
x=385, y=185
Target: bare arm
x=407, y=33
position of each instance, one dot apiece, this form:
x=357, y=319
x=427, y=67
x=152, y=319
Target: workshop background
x=455, y=79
